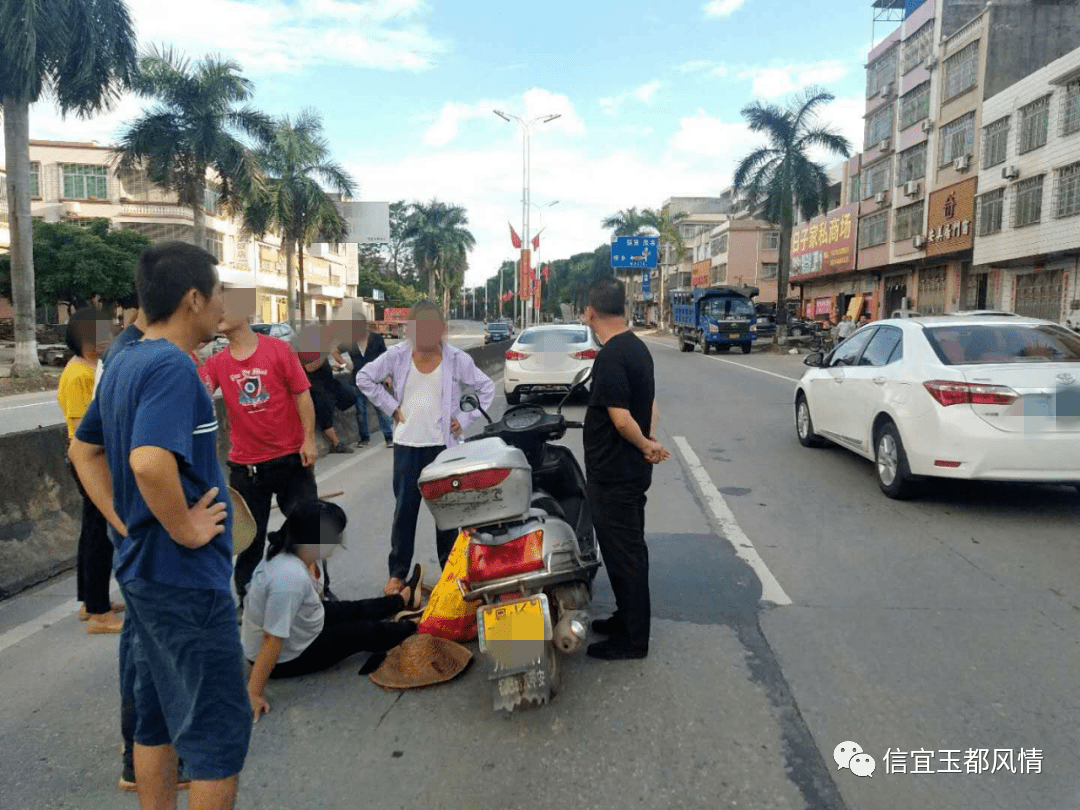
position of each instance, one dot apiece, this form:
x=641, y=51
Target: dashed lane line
x=771, y=591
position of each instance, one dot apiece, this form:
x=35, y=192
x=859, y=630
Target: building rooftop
x=71, y=144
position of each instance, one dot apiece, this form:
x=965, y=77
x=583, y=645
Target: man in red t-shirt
x=271, y=422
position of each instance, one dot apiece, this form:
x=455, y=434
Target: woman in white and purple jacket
x=427, y=375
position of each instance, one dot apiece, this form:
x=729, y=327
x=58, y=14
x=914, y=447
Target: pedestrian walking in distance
x=361, y=346
x=620, y=451
x=271, y=422
x=146, y=452
x=427, y=375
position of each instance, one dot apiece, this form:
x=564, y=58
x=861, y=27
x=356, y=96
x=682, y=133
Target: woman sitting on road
x=287, y=628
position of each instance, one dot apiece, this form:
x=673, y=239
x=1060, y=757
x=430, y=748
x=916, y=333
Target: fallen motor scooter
x=532, y=553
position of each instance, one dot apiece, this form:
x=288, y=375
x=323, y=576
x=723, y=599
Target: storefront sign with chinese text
x=951, y=218
x=824, y=246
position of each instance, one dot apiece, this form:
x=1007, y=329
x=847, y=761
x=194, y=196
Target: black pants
x=287, y=479
x=618, y=512
x=350, y=628
x=408, y=462
x=327, y=397
x=93, y=562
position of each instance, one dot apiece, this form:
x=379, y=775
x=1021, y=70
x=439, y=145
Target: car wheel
x=746, y=348
x=891, y=464
x=804, y=424
x=687, y=346
x=513, y=398
x=704, y=344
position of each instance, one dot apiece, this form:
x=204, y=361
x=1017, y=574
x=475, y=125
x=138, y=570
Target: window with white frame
x=915, y=105
x=1034, y=124
x=211, y=198
x=770, y=240
x=853, y=189
x=1070, y=108
x=957, y=138
x=769, y=270
x=961, y=71
x=719, y=274
x=988, y=211
x=86, y=182
x=874, y=230
x=722, y=248
x=908, y=221
x=161, y=232
x=1027, y=202
x=880, y=73
x=215, y=243
x=1067, y=191
x=879, y=126
x=35, y=180
x=715, y=247
x=911, y=164
x=875, y=178
x=917, y=47
x=995, y=142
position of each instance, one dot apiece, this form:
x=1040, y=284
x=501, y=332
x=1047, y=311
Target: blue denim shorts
x=189, y=676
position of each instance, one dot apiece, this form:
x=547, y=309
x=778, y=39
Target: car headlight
x=753, y=328
x=713, y=327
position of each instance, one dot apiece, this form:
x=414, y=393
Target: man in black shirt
x=363, y=347
x=620, y=451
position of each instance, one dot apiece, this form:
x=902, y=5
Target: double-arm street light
x=525, y=202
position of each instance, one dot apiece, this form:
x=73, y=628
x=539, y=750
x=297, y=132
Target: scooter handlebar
x=570, y=424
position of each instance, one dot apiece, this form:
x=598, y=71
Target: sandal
x=415, y=586
x=408, y=616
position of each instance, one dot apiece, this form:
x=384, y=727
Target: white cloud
x=708, y=136
x=772, y=82
x=644, y=94
x=721, y=8
x=277, y=36
x=844, y=115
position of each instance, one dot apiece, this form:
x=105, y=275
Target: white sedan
x=969, y=396
x=545, y=359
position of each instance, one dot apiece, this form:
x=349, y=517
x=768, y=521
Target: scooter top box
x=477, y=484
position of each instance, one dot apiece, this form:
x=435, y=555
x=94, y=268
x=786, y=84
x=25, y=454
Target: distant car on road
x=496, y=332
x=544, y=359
x=278, y=330
x=972, y=397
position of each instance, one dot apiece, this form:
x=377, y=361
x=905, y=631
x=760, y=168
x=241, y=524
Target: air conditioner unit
x=886, y=90
x=882, y=197
x=931, y=62
x=927, y=125
x=884, y=145
x=962, y=163
x=911, y=188
x=1010, y=173
x=72, y=209
x=918, y=242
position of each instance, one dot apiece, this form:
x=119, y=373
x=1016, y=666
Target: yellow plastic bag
x=447, y=614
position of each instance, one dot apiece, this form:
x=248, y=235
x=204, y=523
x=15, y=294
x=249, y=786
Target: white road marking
x=770, y=588
x=731, y=362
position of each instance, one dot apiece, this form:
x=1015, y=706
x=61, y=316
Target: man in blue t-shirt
x=146, y=451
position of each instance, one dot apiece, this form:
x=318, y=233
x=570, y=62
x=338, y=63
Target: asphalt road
x=28, y=411
x=942, y=624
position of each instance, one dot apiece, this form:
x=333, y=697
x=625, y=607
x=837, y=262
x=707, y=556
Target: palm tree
x=81, y=52
x=195, y=128
x=292, y=201
x=630, y=222
x=666, y=225
x=440, y=240
x=783, y=175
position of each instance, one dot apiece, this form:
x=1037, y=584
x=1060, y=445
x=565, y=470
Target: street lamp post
x=525, y=176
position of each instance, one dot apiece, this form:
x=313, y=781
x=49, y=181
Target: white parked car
x=973, y=396
x=544, y=359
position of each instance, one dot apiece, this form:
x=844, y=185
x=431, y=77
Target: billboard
x=369, y=222
x=825, y=245
x=951, y=218
x=699, y=273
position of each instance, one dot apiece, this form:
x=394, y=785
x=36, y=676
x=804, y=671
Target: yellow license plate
x=734, y=336
x=524, y=620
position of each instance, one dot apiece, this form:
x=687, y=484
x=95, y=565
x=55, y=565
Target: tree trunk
x=290, y=297
x=198, y=214
x=21, y=225
x=300, y=277
x=431, y=282
x=783, y=271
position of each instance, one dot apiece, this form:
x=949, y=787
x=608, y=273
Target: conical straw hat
x=243, y=529
x=421, y=660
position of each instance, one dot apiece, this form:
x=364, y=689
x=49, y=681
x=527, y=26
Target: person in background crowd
x=288, y=630
x=864, y=319
x=362, y=346
x=271, y=422
x=326, y=391
x=845, y=328
x=620, y=450
x=88, y=334
x=146, y=452
x=427, y=375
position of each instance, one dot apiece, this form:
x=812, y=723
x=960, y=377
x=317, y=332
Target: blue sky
x=649, y=94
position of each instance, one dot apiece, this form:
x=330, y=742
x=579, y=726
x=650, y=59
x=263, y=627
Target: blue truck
x=715, y=318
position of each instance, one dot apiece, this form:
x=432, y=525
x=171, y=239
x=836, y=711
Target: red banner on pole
x=525, y=276
x=515, y=240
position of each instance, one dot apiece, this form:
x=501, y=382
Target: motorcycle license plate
x=734, y=336
x=521, y=620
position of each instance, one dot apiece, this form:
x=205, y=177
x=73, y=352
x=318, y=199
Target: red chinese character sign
x=825, y=245
x=525, y=276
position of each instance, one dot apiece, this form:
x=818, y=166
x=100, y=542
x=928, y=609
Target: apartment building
x=743, y=252
x=1027, y=222
x=77, y=182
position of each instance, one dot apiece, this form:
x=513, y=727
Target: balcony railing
x=950, y=44
x=150, y=210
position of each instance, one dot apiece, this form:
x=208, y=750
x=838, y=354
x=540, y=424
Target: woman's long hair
x=304, y=526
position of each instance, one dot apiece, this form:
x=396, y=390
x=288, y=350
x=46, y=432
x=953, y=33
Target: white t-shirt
x=281, y=600
x=421, y=405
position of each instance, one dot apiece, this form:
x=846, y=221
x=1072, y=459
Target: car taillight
x=518, y=556
x=484, y=479
x=587, y=354
x=947, y=393
x=512, y=355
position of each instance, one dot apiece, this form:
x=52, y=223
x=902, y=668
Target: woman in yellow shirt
x=88, y=336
